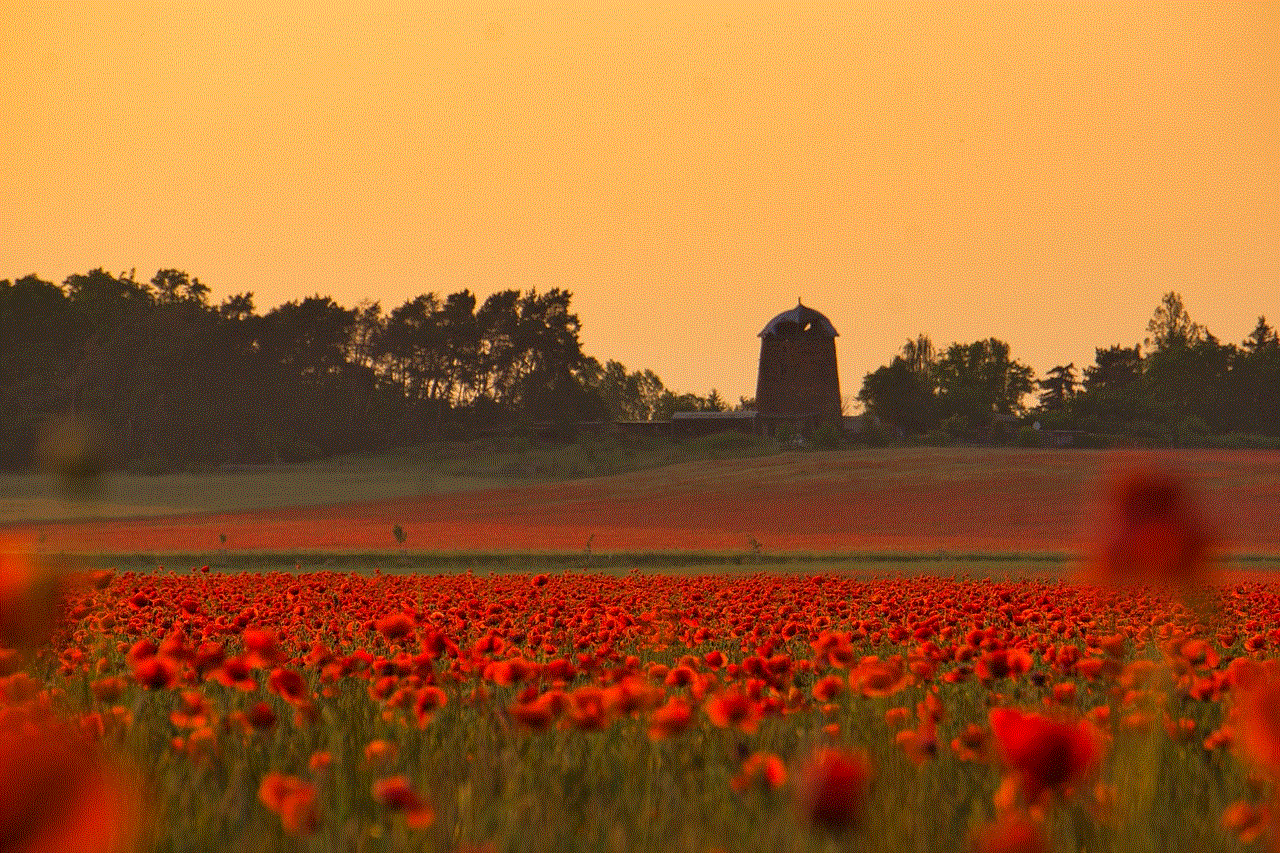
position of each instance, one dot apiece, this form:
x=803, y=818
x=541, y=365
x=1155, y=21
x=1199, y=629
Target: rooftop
x=800, y=320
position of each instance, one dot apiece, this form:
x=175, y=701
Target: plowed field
x=957, y=500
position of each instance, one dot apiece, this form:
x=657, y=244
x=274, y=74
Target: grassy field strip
x=1035, y=475
x=430, y=469
x=683, y=563
x=954, y=501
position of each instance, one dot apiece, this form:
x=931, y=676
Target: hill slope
x=917, y=500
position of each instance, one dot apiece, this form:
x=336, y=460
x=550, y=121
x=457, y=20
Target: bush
x=875, y=434
x=1029, y=437
x=1237, y=441
x=1097, y=440
x=932, y=438
x=727, y=441
x=828, y=437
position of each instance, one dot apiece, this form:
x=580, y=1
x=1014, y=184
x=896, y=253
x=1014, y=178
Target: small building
x=694, y=424
x=798, y=384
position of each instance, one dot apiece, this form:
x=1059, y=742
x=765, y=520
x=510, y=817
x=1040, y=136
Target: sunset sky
x=1037, y=173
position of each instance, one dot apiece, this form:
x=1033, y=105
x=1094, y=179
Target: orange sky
x=1037, y=173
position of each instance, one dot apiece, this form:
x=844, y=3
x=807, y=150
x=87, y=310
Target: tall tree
x=1255, y=380
x=309, y=337
x=920, y=355
x=1262, y=337
x=1058, y=387
x=461, y=333
x=1113, y=368
x=1171, y=325
x=629, y=396
x=981, y=379
x=899, y=395
x=176, y=286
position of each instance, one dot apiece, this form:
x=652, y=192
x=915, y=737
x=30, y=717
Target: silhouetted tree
x=978, y=380
x=1114, y=368
x=629, y=396
x=1058, y=388
x=899, y=395
x=1171, y=325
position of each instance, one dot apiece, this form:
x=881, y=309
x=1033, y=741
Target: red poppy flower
x=263, y=649
x=140, y=651
x=55, y=795
x=429, y=700
x=972, y=744
x=1257, y=717
x=832, y=787
x=1246, y=820
x=1045, y=754
x=395, y=794
x=193, y=712
x=380, y=753
x=731, y=709
x=879, y=678
x=235, y=672
x=208, y=657
x=1002, y=663
x=671, y=719
x=1011, y=834
x=921, y=743
x=293, y=799
x=826, y=689
x=761, y=769
x=320, y=761
x=155, y=673
x=536, y=715
x=288, y=684
x=587, y=708
x=107, y=690
x=396, y=626
x=1152, y=532
x=506, y=673
x=260, y=716
x=680, y=676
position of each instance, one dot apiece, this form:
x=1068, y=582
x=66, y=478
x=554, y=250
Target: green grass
x=429, y=469
x=672, y=563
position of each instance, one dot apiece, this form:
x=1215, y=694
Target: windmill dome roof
x=801, y=319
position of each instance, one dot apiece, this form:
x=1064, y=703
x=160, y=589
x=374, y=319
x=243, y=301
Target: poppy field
x=1131, y=706
x=199, y=711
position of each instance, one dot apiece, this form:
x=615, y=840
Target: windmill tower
x=798, y=380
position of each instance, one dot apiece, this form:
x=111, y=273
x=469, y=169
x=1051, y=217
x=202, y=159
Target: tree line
x=1181, y=386
x=174, y=380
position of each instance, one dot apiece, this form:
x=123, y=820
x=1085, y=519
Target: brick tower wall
x=798, y=376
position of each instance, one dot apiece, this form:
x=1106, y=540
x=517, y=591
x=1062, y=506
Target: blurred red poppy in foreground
x=761, y=769
x=395, y=793
x=1044, y=754
x=1012, y=834
x=30, y=594
x=1152, y=533
x=293, y=799
x=833, y=786
x=1247, y=821
x=55, y=796
x=1257, y=714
